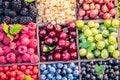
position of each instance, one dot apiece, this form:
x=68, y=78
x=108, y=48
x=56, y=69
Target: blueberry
x=59, y=65
x=87, y=76
x=76, y=73
x=64, y=78
x=70, y=76
x=69, y=70
x=48, y=66
x=54, y=65
x=83, y=73
x=65, y=66
x=45, y=72
x=58, y=77
x=83, y=64
x=52, y=70
x=42, y=67
x=71, y=65
x=64, y=72
x=76, y=68
x=42, y=77
x=58, y=71
x=49, y=76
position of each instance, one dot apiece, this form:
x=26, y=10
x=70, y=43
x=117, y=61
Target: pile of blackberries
x=17, y=11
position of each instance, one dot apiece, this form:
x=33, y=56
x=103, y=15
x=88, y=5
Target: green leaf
x=29, y=1
x=28, y=78
x=5, y=27
x=15, y=29
x=10, y=36
x=91, y=47
x=85, y=44
x=48, y=48
x=99, y=69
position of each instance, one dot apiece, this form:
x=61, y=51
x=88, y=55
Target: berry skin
x=1, y=51
x=22, y=49
x=13, y=45
x=19, y=59
x=2, y=60
x=33, y=43
x=6, y=40
x=30, y=51
x=1, y=36
x=31, y=33
x=25, y=41
x=31, y=26
x=6, y=49
x=26, y=57
x=34, y=58
x=11, y=57
x=25, y=30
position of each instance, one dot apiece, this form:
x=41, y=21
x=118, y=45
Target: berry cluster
x=22, y=72
x=17, y=11
x=23, y=47
x=59, y=71
x=96, y=9
x=112, y=70
x=58, y=43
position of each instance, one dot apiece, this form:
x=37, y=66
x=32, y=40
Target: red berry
x=52, y=34
x=14, y=67
x=34, y=58
x=35, y=71
x=73, y=55
x=58, y=28
x=30, y=67
x=25, y=30
x=49, y=27
x=57, y=56
x=42, y=33
x=33, y=43
x=3, y=60
x=22, y=49
x=6, y=68
x=62, y=43
x=63, y=35
x=71, y=26
x=27, y=71
x=1, y=51
x=26, y=57
x=12, y=73
x=25, y=41
x=65, y=56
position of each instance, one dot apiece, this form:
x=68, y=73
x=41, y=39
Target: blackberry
x=16, y=5
x=6, y=4
x=25, y=4
x=6, y=19
x=24, y=12
x=15, y=20
x=25, y=20
x=10, y=13
x=0, y=20
x=1, y=2
x=1, y=11
x=33, y=12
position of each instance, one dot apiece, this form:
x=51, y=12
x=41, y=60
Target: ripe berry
x=22, y=49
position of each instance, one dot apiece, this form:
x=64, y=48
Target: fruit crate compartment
x=97, y=20
x=41, y=26
x=51, y=63
x=118, y=43
x=110, y=65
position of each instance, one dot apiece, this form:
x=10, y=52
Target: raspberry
x=22, y=49
x=6, y=40
x=1, y=45
x=11, y=57
x=6, y=49
x=25, y=41
x=13, y=45
x=26, y=57
x=1, y=36
x=1, y=51
x=34, y=58
x=31, y=33
x=30, y=51
x=15, y=52
x=31, y=26
x=24, y=35
x=25, y=30
x=16, y=36
x=19, y=59
x=33, y=43
x=2, y=60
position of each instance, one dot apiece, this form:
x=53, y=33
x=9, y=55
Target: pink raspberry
x=31, y=26
x=2, y=34
x=15, y=52
x=25, y=30
x=34, y=58
x=22, y=49
x=25, y=41
x=2, y=60
x=1, y=51
x=18, y=43
x=33, y=43
x=6, y=40
x=30, y=51
x=1, y=45
x=19, y=59
x=26, y=57
x=16, y=36
x=13, y=45
x=24, y=35
x=6, y=49
x=31, y=33
x=11, y=57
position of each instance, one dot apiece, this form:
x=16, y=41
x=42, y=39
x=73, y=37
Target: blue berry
x=69, y=70
x=64, y=78
x=72, y=65
x=42, y=77
x=58, y=77
x=76, y=68
x=49, y=66
x=59, y=65
x=45, y=72
x=54, y=65
x=76, y=73
x=52, y=70
x=65, y=66
x=64, y=72
x=58, y=71
x=49, y=76
x=70, y=76
x=42, y=67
